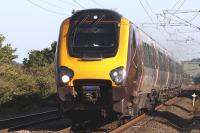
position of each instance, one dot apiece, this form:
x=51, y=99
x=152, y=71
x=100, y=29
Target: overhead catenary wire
x=79, y=4
x=176, y=4
x=178, y=11
x=181, y=4
x=164, y=28
x=51, y=4
x=194, y=17
x=169, y=19
x=179, y=19
x=185, y=32
x=185, y=39
x=67, y=2
x=161, y=33
x=182, y=23
x=149, y=6
x=73, y=2
x=192, y=25
x=170, y=36
x=46, y=9
x=192, y=39
x=181, y=31
x=97, y=3
x=151, y=18
x=162, y=24
x=172, y=20
x=183, y=12
x=166, y=24
x=145, y=11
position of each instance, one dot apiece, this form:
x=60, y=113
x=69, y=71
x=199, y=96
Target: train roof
x=158, y=45
x=107, y=14
x=98, y=10
x=113, y=15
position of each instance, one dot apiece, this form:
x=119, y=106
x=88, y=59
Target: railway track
x=17, y=123
x=94, y=125
x=134, y=121
x=145, y=118
x=112, y=126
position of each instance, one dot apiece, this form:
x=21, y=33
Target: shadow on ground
x=178, y=106
x=175, y=121
x=25, y=104
x=83, y=122
x=172, y=120
x=188, y=93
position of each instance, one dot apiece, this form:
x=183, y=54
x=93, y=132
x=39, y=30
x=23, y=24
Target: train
x=105, y=62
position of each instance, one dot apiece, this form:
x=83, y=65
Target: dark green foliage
x=20, y=81
x=6, y=51
x=28, y=83
x=41, y=58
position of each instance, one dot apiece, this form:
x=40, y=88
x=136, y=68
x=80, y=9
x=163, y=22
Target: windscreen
x=93, y=36
x=98, y=36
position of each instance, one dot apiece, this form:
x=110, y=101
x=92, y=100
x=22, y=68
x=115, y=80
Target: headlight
x=65, y=78
x=118, y=75
x=65, y=74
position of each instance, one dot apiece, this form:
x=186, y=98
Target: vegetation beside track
x=192, y=70
x=29, y=85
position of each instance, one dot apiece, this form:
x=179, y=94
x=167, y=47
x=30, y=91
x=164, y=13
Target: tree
x=41, y=58
x=6, y=51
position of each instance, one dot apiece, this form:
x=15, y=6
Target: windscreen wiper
x=99, y=19
x=81, y=22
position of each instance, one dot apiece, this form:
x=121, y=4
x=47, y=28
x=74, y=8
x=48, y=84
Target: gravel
x=177, y=117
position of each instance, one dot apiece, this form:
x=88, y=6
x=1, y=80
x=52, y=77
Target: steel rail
x=28, y=115
x=25, y=119
x=32, y=123
x=139, y=118
x=128, y=124
x=29, y=124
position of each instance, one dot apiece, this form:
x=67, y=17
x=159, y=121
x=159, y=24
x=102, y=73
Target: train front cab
x=85, y=81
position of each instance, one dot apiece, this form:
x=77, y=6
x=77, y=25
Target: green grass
x=192, y=68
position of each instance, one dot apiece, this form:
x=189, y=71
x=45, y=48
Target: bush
x=28, y=83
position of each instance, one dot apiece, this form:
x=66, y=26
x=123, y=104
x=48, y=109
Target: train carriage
x=105, y=62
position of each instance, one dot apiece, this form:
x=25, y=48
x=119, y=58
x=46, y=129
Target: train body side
x=157, y=69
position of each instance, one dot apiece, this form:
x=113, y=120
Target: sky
x=34, y=24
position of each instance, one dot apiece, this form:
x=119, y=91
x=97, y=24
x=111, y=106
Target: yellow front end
x=99, y=69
